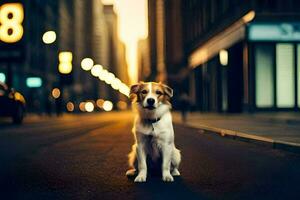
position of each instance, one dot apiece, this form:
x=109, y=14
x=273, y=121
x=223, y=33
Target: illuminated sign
x=34, y=82
x=11, y=19
x=65, y=62
x=2, y=77
x=274, y=32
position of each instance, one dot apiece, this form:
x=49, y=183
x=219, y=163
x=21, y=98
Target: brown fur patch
x=138, y=92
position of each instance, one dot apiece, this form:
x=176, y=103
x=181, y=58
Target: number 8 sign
x=11, y=18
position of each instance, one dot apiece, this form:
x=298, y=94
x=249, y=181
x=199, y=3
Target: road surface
x=84, y=157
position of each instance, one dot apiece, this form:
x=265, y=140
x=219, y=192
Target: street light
x=89, y=106
x=87, y=64
x=49, y=37
x=223, y=57
x=96, y=70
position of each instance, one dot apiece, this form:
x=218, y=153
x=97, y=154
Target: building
x=234, y=56
x=117, y=55
x=83, y=28
x=27, y=64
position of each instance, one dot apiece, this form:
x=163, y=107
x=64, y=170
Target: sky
x=133, y=26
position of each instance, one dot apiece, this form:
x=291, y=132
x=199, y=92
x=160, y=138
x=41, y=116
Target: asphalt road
x=84, y=157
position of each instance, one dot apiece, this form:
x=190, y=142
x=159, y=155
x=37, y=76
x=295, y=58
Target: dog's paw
x=131, y=172
x=168, y=178
x=140, y=178
x=175, y=172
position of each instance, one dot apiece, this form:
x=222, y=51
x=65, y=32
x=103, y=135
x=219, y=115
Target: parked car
x=12, y=104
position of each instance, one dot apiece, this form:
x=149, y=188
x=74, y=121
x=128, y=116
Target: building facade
x=234, y=56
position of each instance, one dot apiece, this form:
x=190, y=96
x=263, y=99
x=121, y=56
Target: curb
x=275, y=144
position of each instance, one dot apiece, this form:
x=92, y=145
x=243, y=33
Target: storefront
x=274, y=52
x=249, y=67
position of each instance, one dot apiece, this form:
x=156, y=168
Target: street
x=84, y=157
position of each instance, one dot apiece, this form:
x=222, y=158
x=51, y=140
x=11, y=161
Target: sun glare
x=133, y=26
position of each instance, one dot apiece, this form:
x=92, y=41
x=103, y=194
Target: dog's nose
x=150, y=101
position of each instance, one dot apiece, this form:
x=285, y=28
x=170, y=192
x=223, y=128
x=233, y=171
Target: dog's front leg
x=142, y=165
x=166, y=164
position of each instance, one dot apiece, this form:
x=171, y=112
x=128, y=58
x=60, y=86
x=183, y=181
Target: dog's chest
x=153, y=129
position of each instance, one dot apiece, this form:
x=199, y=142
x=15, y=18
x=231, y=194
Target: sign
x=34, y=82
x=11, y=19
x=11, y=30
x=285, y=32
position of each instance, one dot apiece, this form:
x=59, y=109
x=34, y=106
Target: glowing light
x=96, y=70
x=65, y=56
x=99, y=103
x=82, y=106
x=108, y=2
x=65, y=62
x=249, y=16
x=89, y=106
x=122, y=105
x=107, y=105
x=103, y=75
x=19, y=97
x=2, y=77
x=49, y=37
x=109, y=78
x=87, y=64
x=116, y=84
x=56, y=93
x=223, y=57
x=11, y=18
x=133, y=26
x=124, y=89
x=70, y=106
x=34, y=82
x=65, y=68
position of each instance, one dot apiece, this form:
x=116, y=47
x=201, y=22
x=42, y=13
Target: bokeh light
x=89, y=106
x=99, y=103
x=49, y=37
x=70, y=106
x=107, y=105
x=56, y=93
x=82, y=106
x=87, y=64
x=96, y=70
x=122, y=105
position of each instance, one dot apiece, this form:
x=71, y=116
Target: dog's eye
x=159, y=92
x=144, y=92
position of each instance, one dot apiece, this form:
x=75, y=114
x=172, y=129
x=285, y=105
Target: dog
x=153, y=131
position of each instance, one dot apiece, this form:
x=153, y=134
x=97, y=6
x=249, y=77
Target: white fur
x=161, y=143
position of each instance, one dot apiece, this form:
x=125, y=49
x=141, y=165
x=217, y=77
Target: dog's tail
x=132, y=156
x=176, y=158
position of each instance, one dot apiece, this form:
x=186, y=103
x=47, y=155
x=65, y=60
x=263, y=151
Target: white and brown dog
x=153, y=131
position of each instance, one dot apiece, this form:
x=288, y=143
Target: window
x=264, y=76
x=285, y=73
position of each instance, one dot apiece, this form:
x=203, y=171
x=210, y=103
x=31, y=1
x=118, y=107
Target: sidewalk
x=281, y=130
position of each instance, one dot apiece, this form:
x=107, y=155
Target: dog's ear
x=167, y=90
x=134, y=89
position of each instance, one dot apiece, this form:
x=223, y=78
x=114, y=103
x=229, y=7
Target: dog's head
x=151, y=95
